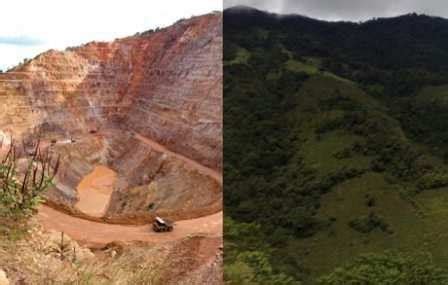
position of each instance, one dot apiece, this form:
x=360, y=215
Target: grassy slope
x=418, y=221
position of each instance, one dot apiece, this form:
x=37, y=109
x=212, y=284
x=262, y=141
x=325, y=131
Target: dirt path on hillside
x=194, y=164
x=94, y=234
x=94, y=194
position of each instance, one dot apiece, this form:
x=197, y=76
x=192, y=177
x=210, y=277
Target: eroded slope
x=99, y=104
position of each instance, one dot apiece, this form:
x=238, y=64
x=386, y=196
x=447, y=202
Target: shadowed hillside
x=336, y=147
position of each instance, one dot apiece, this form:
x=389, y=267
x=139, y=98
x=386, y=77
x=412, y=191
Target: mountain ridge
x=249, y=9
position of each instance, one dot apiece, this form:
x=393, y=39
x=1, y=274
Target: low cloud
x=20, y=41
x=347, y=9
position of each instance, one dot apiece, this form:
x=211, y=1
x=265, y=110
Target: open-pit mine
x=137, y=123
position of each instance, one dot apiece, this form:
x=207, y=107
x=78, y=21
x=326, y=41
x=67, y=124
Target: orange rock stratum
x=146, y=110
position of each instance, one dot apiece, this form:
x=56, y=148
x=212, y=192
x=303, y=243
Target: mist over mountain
x=347, y=10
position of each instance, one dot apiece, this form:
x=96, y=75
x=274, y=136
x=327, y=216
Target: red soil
x=94, y=234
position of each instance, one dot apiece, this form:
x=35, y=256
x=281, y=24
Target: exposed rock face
x=195, y=260
x=3, y=279
x=103, y=102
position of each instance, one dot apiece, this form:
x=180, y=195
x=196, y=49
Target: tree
x=21, y=191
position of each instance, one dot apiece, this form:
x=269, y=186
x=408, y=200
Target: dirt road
x=94, y=193
x=95, y=234
x=160, y=148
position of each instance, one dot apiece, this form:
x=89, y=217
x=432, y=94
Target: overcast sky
x=28, y=27
x=354, y=10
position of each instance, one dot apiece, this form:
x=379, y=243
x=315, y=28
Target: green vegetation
x=251, y=266
x=297, y=66
x=336, y=143
x=21, y=192
x=242, y=57
x=388, y=269
x=370, y=222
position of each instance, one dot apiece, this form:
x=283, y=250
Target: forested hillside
x=336, y=149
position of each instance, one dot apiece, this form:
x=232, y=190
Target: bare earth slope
x=138, y=125
x=148, y=107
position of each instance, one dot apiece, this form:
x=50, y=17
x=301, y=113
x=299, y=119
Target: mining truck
x=161, y=225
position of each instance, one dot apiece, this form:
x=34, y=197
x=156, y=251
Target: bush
x=433, y=180
x=253, y=268
x=21, y=192
x=388, y=269
x=366, y=224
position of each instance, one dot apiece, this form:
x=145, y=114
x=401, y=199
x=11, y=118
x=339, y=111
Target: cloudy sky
x=28, y=28
x=354, y=10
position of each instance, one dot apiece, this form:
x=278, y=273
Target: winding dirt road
x=94, y=234
x=94, y=193
x=194, y=164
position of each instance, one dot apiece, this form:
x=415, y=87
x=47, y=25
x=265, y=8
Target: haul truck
x=161, y=225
